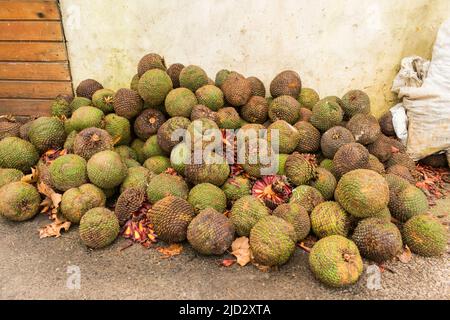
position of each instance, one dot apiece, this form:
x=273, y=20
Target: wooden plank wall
x=34, y=66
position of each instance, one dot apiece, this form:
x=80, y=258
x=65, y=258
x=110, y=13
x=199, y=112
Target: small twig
x=127, y=246
x=305, y=248
x=383, y=267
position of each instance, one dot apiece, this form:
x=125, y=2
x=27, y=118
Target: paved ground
x=37, y=269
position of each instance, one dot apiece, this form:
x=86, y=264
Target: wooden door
x=34, y=67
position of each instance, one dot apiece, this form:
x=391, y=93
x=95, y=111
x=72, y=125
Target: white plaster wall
x=335, y=45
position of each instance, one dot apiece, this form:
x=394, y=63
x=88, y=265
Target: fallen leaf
x=32, y=177
x=227, y=262
x=53, y=154
x=241, y=250
x=45, y=189
x=240, y=243
x=50, y=206
x=405, y=256
x=46, y=205
x=432, y=181
x=56, y=199
x=172, y=250
x=54, y=229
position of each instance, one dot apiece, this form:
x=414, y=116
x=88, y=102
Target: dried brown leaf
x=45, y=189
x=32, y=177
x=172, y=250
x=56, y=200
x=54, y=229
x=50, y=206
x=51, y=155
x=54, y=197
x=46, y=205
x=405, y=256
x=241, y=250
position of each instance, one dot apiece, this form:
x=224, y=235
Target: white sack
x=413, y=70
x=428, y=106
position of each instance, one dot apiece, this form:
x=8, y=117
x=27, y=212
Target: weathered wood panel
x=36, y=51
x=25, y=107
x=34, y=71
x=34, y=66
x=33, y=89
x=29, y=10
x=31, y=31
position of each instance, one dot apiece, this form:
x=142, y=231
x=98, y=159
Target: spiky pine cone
x=128, y=202
x=87, y=88
x=300, y=168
